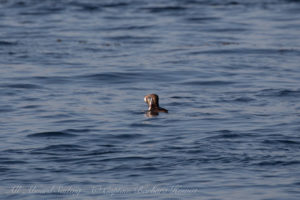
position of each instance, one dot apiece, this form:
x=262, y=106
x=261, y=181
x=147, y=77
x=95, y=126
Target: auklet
x=153, y=104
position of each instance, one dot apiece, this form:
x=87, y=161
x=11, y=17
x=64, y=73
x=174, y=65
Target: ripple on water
x=124, y=77
x=8, y=43
x=103, y=151
x=134, y=39
x=202, y=19
x=224, y=134
x=162, y=9
x=59, y=148
x=99, y=6
x=247, y=51
x=146, y=125
x=286, y=142
x=52, y=134
x=124, y=136
x=208, y=83
x=21, y=86
x=8, y=161
x=244, y=99
x=275, y=162
x=53, y=79
x=279, y=93
x=241, y=99
x=6, y=108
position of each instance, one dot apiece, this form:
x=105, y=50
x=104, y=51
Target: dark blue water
x=73, y=75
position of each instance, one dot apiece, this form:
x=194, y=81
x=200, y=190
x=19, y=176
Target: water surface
x=73, y=75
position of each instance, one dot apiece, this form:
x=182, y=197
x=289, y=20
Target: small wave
x=228, y=43
x=297, y=183
x=52, y=134
x=62, y=147
x=103, y=151
x=21, y=86
x=31, y=106
x=42, y=11
x=97, y=6
x=132, y=27
x=112, y=77
x=53, y=79
x=243, y=99
x=15, y=162
x=237, y=99
x=245, y=51
x=68, y=121
x=4, y=169
x=78, y=130
x=145, y=125
x=126, y=136
x=165, y=9
x=208, y=83
x=128, y=158
x=11, y=161
x=135, y=39
x=289, y=93
x=147, y=167
x=115, y=4
x=86, y=6
x=6, y=108
x=282, y=141
x=124, y=77
x=279, y=93
x=224, y=134
x=182, y=97
x=8, y=43
x=278, y=162
x=226, y=30
x=202, y=19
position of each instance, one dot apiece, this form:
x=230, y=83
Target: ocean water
x=73, y=75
